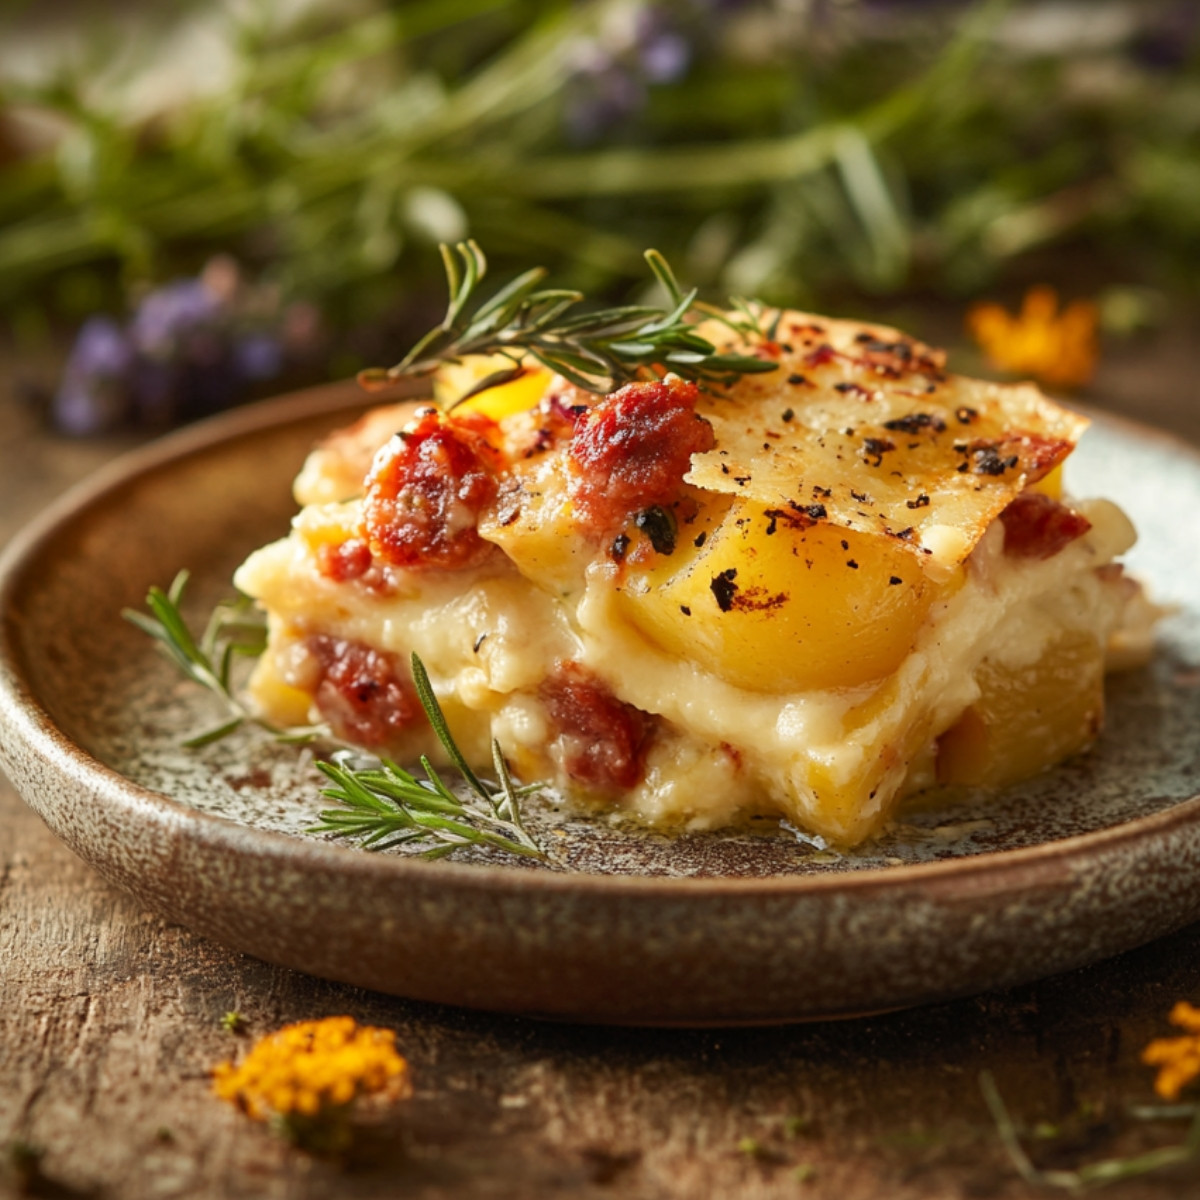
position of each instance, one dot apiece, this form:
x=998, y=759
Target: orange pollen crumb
x=311, y=1068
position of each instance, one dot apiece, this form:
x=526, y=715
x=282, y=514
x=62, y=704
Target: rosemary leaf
x=387, y=806
x=235, y=630
x=433, y=710
x=215, y=734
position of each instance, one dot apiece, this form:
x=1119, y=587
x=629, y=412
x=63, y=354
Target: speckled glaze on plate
x=1093, y=858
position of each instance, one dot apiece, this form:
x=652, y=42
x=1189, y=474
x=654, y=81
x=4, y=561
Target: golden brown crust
x=864, y=423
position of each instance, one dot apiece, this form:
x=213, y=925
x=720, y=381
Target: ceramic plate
x=1093, y=858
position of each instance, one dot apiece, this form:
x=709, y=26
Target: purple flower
x=93, y=396
x=170, y=313
x=665, y=58
x=192, y=347
x=663, y=53
x=603, y=100
x=85, y=408
x=258, y=356
x=101, y=349
x=615, y=69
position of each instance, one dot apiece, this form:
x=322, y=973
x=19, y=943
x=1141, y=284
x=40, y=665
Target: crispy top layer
x=862, y=427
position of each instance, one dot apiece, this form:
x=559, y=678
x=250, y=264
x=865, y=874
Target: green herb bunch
x=921, y=144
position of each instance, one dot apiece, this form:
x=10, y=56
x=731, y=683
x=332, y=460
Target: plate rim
x=22, y=713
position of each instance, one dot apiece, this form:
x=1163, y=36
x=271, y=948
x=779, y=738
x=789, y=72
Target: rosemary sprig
x=234, y=630
x=599, y=351
x=388, y=806
x=384, y=805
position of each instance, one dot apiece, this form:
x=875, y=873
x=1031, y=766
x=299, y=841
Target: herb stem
x=234, y=630
x=1097, y=1174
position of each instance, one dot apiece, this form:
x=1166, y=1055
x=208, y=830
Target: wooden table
x=110, y=1019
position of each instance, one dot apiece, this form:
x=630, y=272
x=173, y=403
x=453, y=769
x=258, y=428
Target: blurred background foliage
x=841, y=154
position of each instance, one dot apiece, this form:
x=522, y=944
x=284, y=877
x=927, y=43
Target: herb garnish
x=599, y=351
x=1105, y=1171
x=387, y=806
x=384, y=805
x=236, y=629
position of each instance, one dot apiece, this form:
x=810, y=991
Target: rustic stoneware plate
x=752, y=926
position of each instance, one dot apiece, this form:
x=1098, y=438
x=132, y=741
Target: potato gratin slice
x=810, y=594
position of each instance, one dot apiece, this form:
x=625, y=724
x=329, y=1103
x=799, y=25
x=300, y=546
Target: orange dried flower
x=1177, y=1059
x=1057, y=348
x=305, y=1077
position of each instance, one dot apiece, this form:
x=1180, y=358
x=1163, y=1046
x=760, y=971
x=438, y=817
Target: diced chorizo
x=604, y=740
x=363, y=694
x=424, y=494
x=1038, y=526
x=344, y=561
x=632, y=450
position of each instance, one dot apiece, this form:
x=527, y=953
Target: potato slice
x=1028, y=718
x=774, y=604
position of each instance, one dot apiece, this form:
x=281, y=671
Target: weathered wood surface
x=110, y=1019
